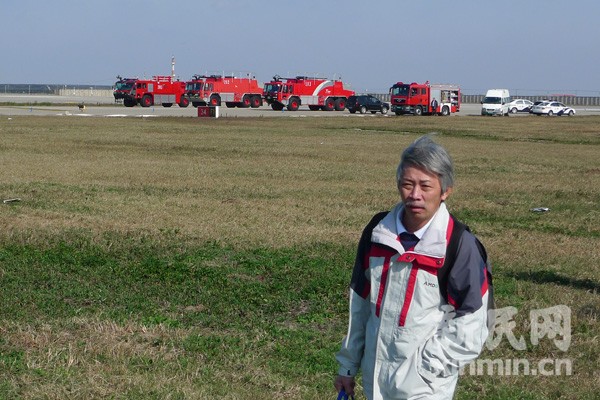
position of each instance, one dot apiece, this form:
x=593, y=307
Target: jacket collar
x=433, y=242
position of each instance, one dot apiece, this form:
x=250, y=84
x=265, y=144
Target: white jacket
x=408, y=342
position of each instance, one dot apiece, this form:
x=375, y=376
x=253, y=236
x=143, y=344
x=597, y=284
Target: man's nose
x=415, y=193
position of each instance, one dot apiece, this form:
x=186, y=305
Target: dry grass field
x=180, y=258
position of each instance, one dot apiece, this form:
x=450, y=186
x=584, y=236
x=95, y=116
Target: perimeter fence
x=53, y=89
x=570, y=100
x=580, y=99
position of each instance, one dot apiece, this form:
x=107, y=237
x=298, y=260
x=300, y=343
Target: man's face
x=422, y=195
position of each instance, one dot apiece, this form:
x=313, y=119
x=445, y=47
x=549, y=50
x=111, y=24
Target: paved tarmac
x=106, y=107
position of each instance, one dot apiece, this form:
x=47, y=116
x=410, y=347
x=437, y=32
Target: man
x=434, y=106
x=406, y=337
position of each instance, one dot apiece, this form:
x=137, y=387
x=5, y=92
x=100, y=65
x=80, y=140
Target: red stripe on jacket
x=428, y=264
x=387, y=253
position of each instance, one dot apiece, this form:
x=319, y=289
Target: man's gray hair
x=426, y=154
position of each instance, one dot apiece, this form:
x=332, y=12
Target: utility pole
x=173, y=67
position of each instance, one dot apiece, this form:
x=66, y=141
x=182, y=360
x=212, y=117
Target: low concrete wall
x=581, y=101
x=85, y=92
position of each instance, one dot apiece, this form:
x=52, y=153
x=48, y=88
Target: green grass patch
x=179, y=258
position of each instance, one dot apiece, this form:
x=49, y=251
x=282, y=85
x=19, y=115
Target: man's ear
x=446, y=194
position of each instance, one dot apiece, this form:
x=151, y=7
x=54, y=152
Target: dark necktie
x=408, y=240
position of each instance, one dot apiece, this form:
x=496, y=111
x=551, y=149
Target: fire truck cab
x=316, y=93
x=425, y=98
x=122, y=87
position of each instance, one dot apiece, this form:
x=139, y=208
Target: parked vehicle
x=551, y=108
x=211, y=90
x=495, y=102
x=160, y=90
x=366, y=102
x=418, y=99
x=316, y=93
x=535, y=103
x=519, y=105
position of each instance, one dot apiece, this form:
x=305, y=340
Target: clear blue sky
x=526, y=46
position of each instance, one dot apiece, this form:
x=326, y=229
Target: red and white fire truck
x=418, y=98
x=316, y=93
x=122, y=87
x=211, y=90
x=160, y=90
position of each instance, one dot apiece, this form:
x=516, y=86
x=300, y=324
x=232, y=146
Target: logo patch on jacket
x=430, y=284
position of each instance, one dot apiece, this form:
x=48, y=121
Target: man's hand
x=345, y=382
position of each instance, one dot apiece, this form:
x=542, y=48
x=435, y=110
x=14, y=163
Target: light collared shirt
x=419, y=233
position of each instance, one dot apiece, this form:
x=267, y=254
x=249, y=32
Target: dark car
x=366, y=102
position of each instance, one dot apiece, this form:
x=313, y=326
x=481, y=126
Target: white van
x=495, y=102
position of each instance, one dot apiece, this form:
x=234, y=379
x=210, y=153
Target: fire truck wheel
x=329, y=105
x=340, y=104
x=445, y=111
x=245, y=103
x=255, y=101
x=184, y=102
x=418, y=111
x=215, y=100
x=363, y=110
x=146, y=101
x=293, y=104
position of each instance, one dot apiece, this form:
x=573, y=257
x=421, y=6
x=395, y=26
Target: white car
x=519, y=105
x=552, y=108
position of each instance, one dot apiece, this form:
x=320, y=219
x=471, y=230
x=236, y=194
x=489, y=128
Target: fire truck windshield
x=193, y=86
x=123, y=85
x=272, y=87
x=400, y=90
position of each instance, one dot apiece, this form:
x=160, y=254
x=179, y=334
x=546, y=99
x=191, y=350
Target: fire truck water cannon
x=425, y=98
x=316, y=93
x=212, y=90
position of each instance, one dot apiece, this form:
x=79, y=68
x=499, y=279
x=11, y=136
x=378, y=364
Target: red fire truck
x=160, y=90
x=418, y=99
x=316, y=93
x=211, y=90
x=122, y=87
